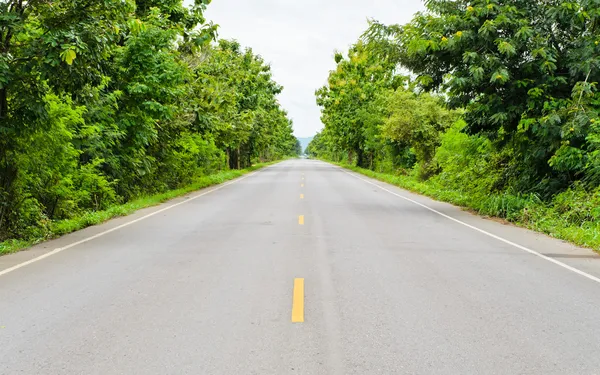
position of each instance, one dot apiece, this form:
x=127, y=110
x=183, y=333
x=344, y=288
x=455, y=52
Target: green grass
x=525, y=211
x=62, y=227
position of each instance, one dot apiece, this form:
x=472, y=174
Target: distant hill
x=304, y=142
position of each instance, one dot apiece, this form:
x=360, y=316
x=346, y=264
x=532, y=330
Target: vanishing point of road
x=301, y=268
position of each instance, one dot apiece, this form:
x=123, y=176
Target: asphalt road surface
x=301, y=268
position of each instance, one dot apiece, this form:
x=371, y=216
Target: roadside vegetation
x=108, y=106
x=57, y=228
x=488, y=104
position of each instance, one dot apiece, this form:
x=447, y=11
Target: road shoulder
x=44, y=249
x=583, y=259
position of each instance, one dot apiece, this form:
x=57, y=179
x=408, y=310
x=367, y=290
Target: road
x=301, y=268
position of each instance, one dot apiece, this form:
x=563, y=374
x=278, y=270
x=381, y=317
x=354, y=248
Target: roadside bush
x=191, y=157
x=467, y=163
x=577, y=205
x=92, y=190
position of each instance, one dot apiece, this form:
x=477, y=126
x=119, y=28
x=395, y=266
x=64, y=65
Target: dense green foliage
x=498, y=103
x=107, y=100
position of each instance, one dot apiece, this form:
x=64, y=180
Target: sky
x=299, y=38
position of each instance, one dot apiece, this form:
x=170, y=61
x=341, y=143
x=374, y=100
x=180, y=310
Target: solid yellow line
x=298, y=301
x=301, y=196
x=301, y=219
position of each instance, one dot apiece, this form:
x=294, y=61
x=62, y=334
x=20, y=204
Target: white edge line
x=559, y=263
x=58, y=250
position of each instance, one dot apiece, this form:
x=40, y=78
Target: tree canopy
x=491, y=104
x=522, y=74
x=525, y=73
x=103, y=101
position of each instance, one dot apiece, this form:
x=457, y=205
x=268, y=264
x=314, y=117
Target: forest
x=489, y=104
x=106, y=101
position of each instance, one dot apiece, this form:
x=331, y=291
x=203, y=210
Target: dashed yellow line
x=301, y=196
x=301, y=185
x=301, y=219
x=298, y=301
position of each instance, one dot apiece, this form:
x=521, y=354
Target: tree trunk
x=360, y=160
x=8, y=174
x=3, y=104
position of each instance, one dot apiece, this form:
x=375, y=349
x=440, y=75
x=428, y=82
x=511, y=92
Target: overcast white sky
x=298, y=39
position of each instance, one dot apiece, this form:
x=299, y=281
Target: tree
x=521, y=69
x=104, y=101
x=297, y=148
x=346, y=100
x=236, y=101
x=58, y=46
x=417, y=121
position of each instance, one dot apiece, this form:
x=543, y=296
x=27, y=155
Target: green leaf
x=506, y=48
x=477, y=72
x=524, y=33
x=500, y=76
x=68, y=56
x=548, y=66
x=469, y=57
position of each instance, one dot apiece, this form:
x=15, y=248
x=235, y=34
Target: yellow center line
x=301, y=219
x=301, y=196
x=301, y=185
x=298, y=301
